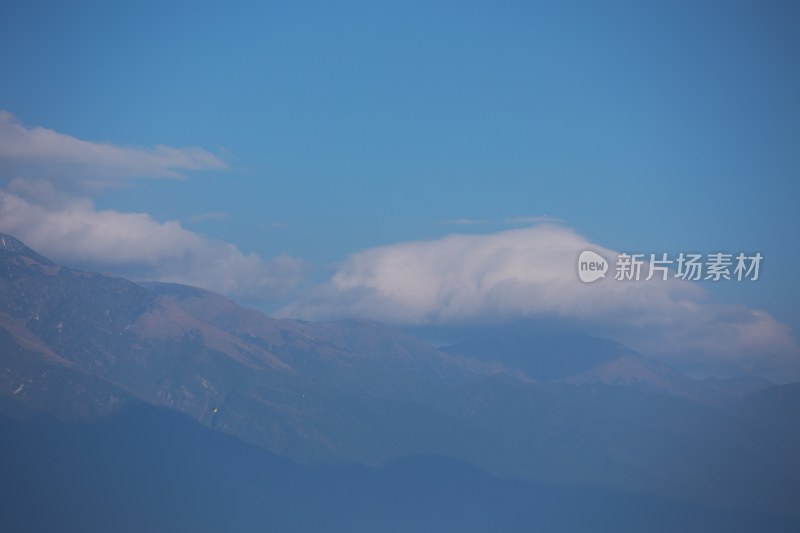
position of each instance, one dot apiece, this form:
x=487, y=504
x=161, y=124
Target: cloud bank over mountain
x=48, y=178
x=47, y=184
x=530, y=273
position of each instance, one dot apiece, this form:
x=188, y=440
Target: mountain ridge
x=575, y=412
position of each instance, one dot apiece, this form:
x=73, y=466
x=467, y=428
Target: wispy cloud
x=534, y=219
x=210, y=216
x=510, y=221
x=44, y=153
x=530, y=273
x=465, y=221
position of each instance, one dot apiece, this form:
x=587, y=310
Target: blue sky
x=643, y=126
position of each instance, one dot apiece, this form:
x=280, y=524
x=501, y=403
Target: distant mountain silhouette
x=582, y=359
x=150, y=469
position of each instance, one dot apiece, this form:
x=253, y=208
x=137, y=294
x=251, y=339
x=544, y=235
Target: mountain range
x=509, y=418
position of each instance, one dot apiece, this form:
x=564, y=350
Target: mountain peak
x=10, y=245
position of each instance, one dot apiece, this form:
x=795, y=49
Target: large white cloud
x=44, y=153
x=138, y=246
x=47, y=178
x=531, y=273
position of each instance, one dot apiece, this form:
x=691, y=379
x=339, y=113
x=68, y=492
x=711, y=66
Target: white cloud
x=136, y=245
x=531, y=273
x=44, y=153
x=40, y=166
